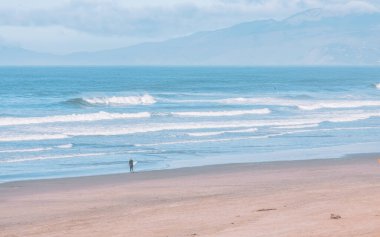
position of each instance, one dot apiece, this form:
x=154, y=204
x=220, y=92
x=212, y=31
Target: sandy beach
x=293, y=198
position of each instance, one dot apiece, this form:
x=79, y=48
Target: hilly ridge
x=313, y=37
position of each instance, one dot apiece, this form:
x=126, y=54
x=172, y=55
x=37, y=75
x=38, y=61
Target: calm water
x=73, y=121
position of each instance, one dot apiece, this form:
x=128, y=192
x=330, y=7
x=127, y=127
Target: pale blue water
x=74, y=121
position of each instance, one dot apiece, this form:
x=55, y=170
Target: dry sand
x=266, y=199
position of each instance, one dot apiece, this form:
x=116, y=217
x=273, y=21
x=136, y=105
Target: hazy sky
x=63, y=26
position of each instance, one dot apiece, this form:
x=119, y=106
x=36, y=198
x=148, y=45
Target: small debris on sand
x=267, y=209
x=334, y=216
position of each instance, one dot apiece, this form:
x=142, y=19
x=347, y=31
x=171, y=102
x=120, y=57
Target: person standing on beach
x=130, y=165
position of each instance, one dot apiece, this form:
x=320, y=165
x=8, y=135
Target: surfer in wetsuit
x=130, y=165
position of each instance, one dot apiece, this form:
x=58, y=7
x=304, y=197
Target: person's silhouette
x=130, y=165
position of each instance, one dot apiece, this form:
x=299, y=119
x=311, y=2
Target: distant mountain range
x=313, y=37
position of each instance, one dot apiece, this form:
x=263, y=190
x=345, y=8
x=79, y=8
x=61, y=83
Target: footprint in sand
x=335, y=217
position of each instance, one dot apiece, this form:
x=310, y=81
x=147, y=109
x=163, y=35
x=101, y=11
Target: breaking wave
x=7, y=121
x=115, y=100
x=377, y=86
x=32, y=137
x=51, y=157
x=221, y=113
x=339, y=105
x=158, y=127
x=303, y=104
x=298, y=126
x=59, y=132
x=222, y=139
x=37, y=149
x=27, y=150
x=247, y=138
x=207, y=134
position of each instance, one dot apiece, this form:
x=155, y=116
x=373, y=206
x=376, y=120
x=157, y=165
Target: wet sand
x=293, y=198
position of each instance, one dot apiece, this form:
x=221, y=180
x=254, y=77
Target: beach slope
x=293, y=198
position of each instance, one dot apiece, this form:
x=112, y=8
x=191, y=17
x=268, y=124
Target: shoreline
x=200, y=168
x=283, y=198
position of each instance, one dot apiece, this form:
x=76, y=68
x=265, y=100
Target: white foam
x=206, y=134
x=219, y=139
x=31, y=137
x=303, y=104
x=201, y=141
x=95, y=130
x=258, y=101
x=342, y=129
x=7, y=121
x=339, y=104
x=249, y=137
x=26, y=150
x=121, y=100
x=221, y=113
x=61, y=132
x=298, y=126
x=377, y=86
x=65, y=146
x=51, y=157
x=158, y=127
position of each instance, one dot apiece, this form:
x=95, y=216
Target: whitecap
x=221, y=113
x=7, y=121
x=94, y=130
x=59, y=132
x=206, y=134
x=32, y=137
x=27, y=150
x=118, y=100
x=249, y=137
x=216, y=140
x=51, y=157
x=303, y=104
x=339, y=104
x=37, y=149
x=298, y=126
x=65, y=146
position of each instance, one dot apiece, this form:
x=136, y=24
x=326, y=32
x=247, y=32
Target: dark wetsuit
x=131, y=165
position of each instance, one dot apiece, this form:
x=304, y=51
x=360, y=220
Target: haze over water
x=74, y=121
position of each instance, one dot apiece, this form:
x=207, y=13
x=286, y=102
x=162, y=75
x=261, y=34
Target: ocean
x=79, y=121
